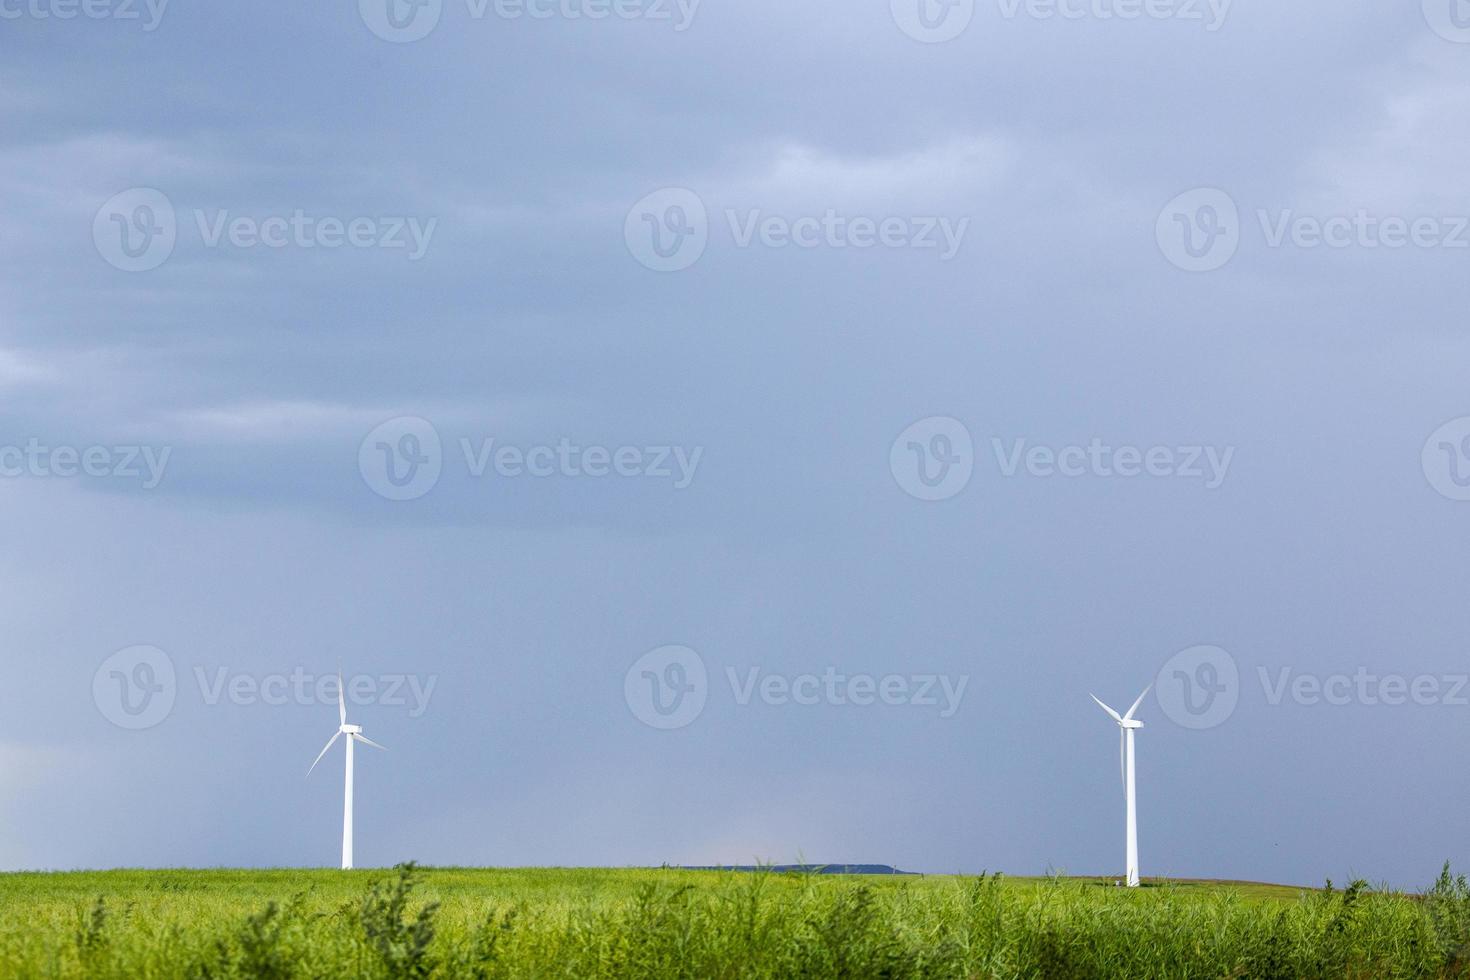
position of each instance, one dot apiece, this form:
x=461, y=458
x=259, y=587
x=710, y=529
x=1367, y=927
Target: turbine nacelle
x=350, y=729
x=1124, y=720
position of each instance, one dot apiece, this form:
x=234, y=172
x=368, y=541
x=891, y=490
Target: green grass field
x=610, y=923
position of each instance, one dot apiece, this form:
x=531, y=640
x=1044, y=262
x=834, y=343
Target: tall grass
x=671, y=924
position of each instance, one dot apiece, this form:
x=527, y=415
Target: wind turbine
x=354, y=734
x=1126, y=727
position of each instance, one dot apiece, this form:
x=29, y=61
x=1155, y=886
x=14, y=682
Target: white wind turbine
x=1126, y=727
x=354, y=734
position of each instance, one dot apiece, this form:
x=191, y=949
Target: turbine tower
x=354, y=734
x=1126, y=727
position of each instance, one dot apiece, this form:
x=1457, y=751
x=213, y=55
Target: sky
x=713, y=433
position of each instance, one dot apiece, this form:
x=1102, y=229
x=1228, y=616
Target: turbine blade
x=341, y=700
x=1116, y=716
x=323, y=752
x=367, y=741
x=1129, y=715
x=1122, y=756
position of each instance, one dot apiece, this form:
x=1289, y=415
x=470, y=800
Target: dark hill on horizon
x=814, y=869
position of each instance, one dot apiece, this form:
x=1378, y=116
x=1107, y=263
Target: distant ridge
x=811, y=869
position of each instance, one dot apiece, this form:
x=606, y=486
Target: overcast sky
x=719, y=432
